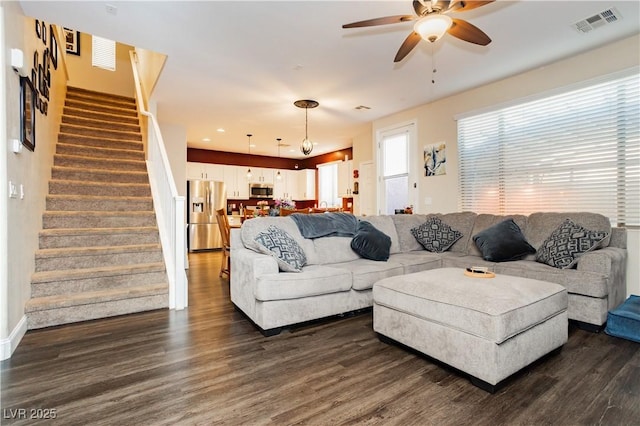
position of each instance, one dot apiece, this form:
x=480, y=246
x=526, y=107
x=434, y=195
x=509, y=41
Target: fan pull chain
x=433, y=66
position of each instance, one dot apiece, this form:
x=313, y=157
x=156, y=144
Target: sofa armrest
x=246, y=267
x=612, y=262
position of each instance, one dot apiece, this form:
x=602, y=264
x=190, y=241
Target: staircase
x=100, y=252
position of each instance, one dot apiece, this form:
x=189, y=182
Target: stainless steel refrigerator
x=204, y=198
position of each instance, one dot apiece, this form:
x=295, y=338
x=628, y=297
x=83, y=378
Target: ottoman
x=488, y=328
x=624, y=321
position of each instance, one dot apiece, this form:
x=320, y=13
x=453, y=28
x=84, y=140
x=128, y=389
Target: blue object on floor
x=624, y=321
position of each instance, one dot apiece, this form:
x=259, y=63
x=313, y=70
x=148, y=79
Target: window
x=103, y=53
x=575, y=151
x=394, y=146
x=328, y=185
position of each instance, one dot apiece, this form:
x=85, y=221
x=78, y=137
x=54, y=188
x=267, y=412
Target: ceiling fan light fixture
x=433, y=26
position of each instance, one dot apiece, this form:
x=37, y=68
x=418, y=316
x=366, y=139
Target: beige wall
x=362, y=151
x=150, y=65
x=435, y=121
x=175, y=143
x=32, y=170
x=83, y=75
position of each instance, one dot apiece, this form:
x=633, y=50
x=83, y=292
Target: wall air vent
x=603, y=18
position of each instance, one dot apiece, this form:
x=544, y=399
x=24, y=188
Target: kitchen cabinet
x=236, y=182
x=345, y=179
x=262, y=175
x=204, y=171
x=287, y=186
x=306, y=184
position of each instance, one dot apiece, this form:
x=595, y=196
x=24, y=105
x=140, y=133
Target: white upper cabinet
x=306, y=187
x=345, y=179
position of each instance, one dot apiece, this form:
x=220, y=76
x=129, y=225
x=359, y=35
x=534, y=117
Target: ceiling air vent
x=603, y=18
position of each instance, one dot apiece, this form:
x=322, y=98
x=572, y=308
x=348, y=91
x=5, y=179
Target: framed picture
x=53, y=47
x=27, y=113
x=72, y=41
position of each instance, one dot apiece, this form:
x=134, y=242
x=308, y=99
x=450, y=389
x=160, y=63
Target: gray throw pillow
x=371, y=243
x=287, y=252
x=568, y=242
x=435, y=235
x=503, y=242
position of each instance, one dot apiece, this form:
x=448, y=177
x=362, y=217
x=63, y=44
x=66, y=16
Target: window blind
x=103, y=53
x=576, y=151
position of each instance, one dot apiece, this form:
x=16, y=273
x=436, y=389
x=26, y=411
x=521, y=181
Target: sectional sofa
x=336, y=280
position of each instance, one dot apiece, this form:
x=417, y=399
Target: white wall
x=435, y=121
x=175, y=142
x=32, y=170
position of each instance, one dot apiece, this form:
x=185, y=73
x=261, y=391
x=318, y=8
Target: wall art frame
x=72, y=41
x=27, y=113
x=53, y=47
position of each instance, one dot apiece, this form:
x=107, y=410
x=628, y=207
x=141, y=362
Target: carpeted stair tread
x=95, y=251
x=98, y=231
x=107, y=109
x=101, y=152
x=92, y=94
x=74, y=187
x=99, y=163
x=95, y=123
x=68, y=202
x=88, y=298
x=98, y=175
x=97, y=219
x=99, y=271
x=99, y=141
x=89, y=131
x=71, y=111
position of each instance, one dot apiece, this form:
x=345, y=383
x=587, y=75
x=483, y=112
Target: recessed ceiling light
x=206, y=140
x=292, y=150
x=220, y=130
x=252, y=145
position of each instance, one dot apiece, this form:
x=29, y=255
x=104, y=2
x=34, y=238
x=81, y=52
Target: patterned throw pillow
x=287, y=252
x=568, y=242
x=435, y=235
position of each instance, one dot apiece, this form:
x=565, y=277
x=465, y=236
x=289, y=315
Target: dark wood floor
x=208, y=365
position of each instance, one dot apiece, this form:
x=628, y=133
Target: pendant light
x=278, y=175
x=249, y=170
x=307, y=146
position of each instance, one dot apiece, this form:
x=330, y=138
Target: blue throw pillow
x=503, y=242
x=371, y=243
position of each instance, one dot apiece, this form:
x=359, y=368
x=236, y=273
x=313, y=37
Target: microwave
x=261, y=190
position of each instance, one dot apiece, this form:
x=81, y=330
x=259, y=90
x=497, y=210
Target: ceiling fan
x=433, y=23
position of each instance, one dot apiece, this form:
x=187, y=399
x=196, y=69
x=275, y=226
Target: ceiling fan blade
x=380, y=21
x=468, y=32
x=463, y=6
x=408, y=45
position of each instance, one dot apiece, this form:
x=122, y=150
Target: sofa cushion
x=435, y=236
x=568, y=242
x=312, y=281
x=464, y=223
x=371, y=243
x=334, y=250
x=502, y=242
x=404, y=223
x=587, y=283
x=365, y=272
x=277, y=243
x=415, y=261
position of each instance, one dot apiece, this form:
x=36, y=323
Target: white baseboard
x=8, y=345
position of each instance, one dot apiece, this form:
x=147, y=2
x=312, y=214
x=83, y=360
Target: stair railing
x=169, y=206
